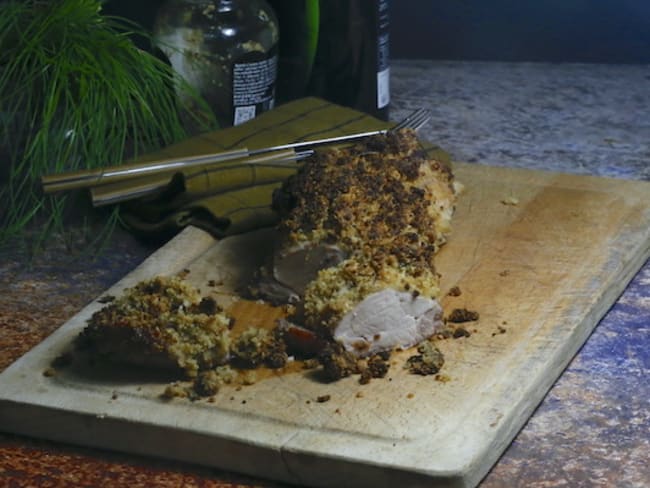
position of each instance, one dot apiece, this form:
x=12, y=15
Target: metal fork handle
x=90, y=178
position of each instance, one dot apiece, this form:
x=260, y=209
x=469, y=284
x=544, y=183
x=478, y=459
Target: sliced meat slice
x=386, y=320
x=292, y=268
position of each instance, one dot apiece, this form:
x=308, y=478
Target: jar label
x=253, y=88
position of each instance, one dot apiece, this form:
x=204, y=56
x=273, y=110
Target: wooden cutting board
x=541, y=257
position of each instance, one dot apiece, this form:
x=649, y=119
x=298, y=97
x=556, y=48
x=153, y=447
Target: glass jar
x=226, y=50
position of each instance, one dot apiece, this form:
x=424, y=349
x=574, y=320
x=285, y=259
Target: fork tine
x=420, y=121
x=407, y=120
x=415, y=120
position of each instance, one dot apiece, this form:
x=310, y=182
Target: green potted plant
x=75, y=93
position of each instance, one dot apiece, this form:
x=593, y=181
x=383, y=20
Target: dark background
x=602, y=31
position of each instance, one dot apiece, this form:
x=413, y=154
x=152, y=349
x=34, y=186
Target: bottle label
x=383, y=88
x=253, y=87
x=383, y=70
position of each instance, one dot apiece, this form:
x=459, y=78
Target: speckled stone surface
x=578, y=118
x=593, y=427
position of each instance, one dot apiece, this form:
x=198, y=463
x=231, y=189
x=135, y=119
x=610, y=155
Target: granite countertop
x=593, y=427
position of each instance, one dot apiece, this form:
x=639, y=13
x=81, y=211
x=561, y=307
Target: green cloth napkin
x=230, y=197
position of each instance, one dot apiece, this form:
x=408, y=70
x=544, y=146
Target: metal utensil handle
x=90, y=178
x=84, y=179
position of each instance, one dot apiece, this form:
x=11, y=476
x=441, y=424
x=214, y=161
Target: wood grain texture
x=541, y=255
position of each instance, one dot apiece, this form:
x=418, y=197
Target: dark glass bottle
x=299, y=25
x=350, y=62
x=226, y=50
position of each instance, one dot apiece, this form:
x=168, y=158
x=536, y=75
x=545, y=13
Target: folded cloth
x=233, y=197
